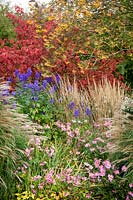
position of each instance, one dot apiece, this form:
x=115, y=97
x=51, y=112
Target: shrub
x=6, y=26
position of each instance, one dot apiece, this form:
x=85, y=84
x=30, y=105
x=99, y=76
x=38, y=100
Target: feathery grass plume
x=121, y=137
x=105, y=98
x=9, y=150
x=15, y=119
x=14, y=130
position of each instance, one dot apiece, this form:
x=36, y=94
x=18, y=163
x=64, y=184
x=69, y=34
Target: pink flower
x=84, y=178
x=40, y=186
x=92, y=149
x=130, y=193
x=87, y=145
x=88, y=196
x=28, y=152
x=88, y=165
x=97, y=125
x=97, y=162
x=58, y=123
x=110, y=177
x=37, y=141
x=47, y=126
x=76, y=181
x=116, y=172
x=109, y=145
x=88, y=132
x=50, y=151
x=66, y=194
x=99, y=139
x=94, y=142
x=25, y=166
x=127, y=198
x=34, y=191
x=70, y=134
x=107, y=164
x=124, y=168
x=32, y=186
x=43, y=163
x=68, y=171
x=58, y=176
x=93, y=176
x=35, y=178
x=107, y=123
x=102, y=170
x=131, y=185
x=77, y=152
x=77, y=131
x=49, y=178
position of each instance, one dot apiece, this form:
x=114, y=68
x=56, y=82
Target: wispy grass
x=67, y=93
x=121, y=137
x=15, y=129
x=102, y=99
x=105, y=98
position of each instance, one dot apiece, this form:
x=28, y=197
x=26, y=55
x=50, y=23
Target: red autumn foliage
x=28, y=49
x=23, y=53
x=104, y=68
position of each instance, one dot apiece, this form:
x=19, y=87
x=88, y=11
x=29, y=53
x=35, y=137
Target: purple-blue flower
x=53, y=89
x=29, y=72
x=16, y=72
x=35, y=98
x=71, y=105
x=5, y=101
x=36, y=85
x=44, y=84
x=14, y=105
x=5, y=93
x=57, y=78
x=52, y=100
x=30, y=85
x=88, y=112
x=13, y=93
x=37, y=75
x=10, y=79
x=76, y=113
x=22, y=77
x=49, y=79
x=19, y=93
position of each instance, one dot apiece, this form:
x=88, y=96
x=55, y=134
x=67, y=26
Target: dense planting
x=65, y=118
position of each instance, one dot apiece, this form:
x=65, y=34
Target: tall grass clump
x=105, y=98
x=12, y=144
x=121, y=138
x=73, y=101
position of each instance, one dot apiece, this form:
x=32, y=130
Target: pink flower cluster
x=50, y=151
x=49, y=177
x=67, y=128
x=103, y=167
x=28, y=152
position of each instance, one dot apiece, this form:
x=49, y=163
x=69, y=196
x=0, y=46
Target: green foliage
x=6, y=26
x=126, y=70
x=61, y=168
x=38, y=106
x=12, y=144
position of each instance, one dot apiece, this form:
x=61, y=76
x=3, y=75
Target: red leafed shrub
x=104, y=68
x=23, y=53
